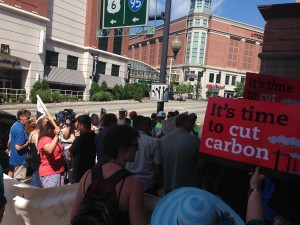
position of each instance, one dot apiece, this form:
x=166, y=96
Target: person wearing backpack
x=108, y=193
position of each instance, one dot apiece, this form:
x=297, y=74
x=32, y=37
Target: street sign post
x=124, y=13
x=159, y=92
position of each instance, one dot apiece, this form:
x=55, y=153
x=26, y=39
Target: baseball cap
x=132, y=114
x=161, y=114
x=122, y=110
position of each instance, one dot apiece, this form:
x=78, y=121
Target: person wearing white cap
x=122, y=116
x=157, y=131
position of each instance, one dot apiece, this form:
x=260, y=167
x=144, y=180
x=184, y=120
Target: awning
x=64, y=76
x=111, y=81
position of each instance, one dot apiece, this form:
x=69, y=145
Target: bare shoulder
x=133, y=180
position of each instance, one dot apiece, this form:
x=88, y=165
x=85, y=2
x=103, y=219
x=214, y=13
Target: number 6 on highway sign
x=125, y=13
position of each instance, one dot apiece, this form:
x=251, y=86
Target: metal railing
x=12, y=93
x=70, y=93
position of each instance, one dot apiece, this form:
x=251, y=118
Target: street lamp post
x=164, y=51
x=171, y=60
x=176, y=45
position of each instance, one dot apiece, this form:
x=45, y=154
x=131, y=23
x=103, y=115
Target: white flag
x=40, y=109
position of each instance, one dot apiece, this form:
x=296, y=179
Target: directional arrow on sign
x=135, y=19
x=113, y=21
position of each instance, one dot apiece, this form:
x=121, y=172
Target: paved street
x=145, y=108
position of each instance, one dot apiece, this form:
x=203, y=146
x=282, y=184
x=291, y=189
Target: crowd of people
x=61, y=153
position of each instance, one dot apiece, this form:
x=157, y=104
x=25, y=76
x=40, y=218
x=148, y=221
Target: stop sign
x=174, y=88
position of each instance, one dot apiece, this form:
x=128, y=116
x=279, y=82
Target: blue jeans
x=35, y=180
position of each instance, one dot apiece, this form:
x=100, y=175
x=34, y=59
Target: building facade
x=281, y=51
x=216, y=52
x=56, y=40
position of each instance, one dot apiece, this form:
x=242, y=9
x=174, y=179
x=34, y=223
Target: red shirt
x=51, y=163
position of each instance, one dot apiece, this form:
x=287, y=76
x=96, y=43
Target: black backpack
x=100, y=203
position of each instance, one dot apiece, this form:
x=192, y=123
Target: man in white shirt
x=147, y=164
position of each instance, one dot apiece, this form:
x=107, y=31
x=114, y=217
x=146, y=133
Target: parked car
x=171, y=96
x=6, y=121
x=181, y=99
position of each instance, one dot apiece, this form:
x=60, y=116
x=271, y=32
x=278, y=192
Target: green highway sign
x=124, y=13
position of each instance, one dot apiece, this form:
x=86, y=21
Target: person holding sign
x=255, y=212
x=52, y=160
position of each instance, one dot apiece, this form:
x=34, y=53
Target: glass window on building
x=218, y=78
x=115, y=70
x=204, y=23
x=190, y=22
x=195, y=47
x=117, y=49
x=197, y=22
x=233, y=80
x=202, y=48
x=188, y=48
x=51, y=58
x=227, y=79
x=199, y=5
x=206, y=6
x=72, y=62
x=243, y=79
x=211, y=77
x=103, y=43
x=193, y=4
x=100, y=68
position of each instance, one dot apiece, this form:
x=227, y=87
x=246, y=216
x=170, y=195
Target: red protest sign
x=271, y=89
x=253, y=132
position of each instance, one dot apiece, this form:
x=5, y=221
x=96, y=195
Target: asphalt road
x=145, y=108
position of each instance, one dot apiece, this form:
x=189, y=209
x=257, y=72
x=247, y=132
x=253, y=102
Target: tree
x=42, y=88
x=103, y=86
x=209, y=93
x=95, y=88
x=239, y=90
x=118, y=91
x=198, y=89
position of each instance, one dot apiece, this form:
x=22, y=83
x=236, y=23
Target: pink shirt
x=52, y=163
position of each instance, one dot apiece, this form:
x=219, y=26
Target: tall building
x=56, y=40
x=215, y=51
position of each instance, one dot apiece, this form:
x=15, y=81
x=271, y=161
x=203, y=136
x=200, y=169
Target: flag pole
x=47, y=112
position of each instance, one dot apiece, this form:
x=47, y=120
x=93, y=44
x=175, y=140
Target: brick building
x=215, y=51
x=281, y=50
x=56, y=40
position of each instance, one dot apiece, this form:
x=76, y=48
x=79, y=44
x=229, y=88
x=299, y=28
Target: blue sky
x=244, y=11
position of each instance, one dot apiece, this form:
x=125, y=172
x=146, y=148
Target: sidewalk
x=29, y=105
